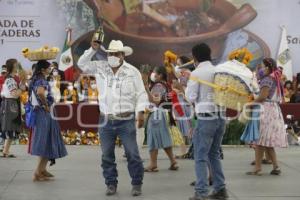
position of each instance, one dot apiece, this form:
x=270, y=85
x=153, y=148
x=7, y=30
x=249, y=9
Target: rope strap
x=220, y=88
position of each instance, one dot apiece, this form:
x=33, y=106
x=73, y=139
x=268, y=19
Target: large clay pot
x=150, y=50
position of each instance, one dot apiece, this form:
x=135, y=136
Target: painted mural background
x=34, y=23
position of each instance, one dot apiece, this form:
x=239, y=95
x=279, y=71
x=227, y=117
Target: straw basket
x=235, y=83
x=44, y=53
x=229, y=98
x=41, y=55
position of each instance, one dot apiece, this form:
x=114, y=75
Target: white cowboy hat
x=117, y=46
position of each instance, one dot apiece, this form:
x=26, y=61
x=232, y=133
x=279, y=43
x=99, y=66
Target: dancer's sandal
x=255, y=173
x=174, y=167
x=266, y=162
x=180, y=157
x=47, y=174
x=151, y=169
x=276, y=171
x=4, y=155
x=40, y=178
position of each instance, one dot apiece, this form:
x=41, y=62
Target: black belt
x=211, y=114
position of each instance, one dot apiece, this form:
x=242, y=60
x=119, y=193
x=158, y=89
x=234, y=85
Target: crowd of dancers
x=175, y=111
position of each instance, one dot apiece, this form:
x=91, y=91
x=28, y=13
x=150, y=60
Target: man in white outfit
x=121, y=95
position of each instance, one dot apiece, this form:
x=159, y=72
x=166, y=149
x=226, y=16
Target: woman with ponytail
x=271, y=125
x=46, y=141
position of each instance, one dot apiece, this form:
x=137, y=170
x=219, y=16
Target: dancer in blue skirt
x=46, y=141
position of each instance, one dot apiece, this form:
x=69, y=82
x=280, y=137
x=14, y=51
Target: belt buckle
x=111, y=117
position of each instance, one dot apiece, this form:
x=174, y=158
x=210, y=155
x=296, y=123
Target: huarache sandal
x=52, y=162
x=266, y=162
x=151, y=169
x=255, y=173
x=40, y=178
x=47, y=174
x=276, y=171
x=180, y=157
x=8, y=155
x=184, y=156
x=174, y=167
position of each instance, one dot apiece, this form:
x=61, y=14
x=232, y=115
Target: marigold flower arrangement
x=242, y=55
x=236, y=78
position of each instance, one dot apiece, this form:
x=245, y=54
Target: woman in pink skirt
x=271, y=125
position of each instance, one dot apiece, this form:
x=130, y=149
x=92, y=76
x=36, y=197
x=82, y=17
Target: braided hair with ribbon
x=275, y=73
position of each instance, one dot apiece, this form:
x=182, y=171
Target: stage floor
x=78, y=177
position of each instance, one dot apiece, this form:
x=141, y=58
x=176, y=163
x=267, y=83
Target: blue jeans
x=126, y=131
x=207, y=142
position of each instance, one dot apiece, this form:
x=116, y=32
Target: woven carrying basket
x=229, y=98
x=42, y=55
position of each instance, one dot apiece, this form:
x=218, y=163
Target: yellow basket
x=235, y=93
x=42, y=55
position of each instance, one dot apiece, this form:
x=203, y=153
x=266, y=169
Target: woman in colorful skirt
x=46, y=141
x=271, y=129
x=158, y=125
x=251, y=131
x=10, y=108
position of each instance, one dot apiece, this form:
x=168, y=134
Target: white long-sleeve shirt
x=118, y=93
x=200, y=94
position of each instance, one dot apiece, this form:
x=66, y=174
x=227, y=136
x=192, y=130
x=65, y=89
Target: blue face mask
x=260, y=74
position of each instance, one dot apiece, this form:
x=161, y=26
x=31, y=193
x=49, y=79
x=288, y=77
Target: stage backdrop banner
x=29, y=23
x=35, y=23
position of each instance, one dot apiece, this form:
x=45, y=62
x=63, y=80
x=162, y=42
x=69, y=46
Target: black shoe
x=111, y=190
x=193, y=183
x=221, y=154
x=221, y=195
x=136, y=190
x=198, y=198
x=209, y=182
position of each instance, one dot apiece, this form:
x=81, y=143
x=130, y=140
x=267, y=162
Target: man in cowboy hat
x=122, y=94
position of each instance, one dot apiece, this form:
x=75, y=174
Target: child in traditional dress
x=158, y=126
